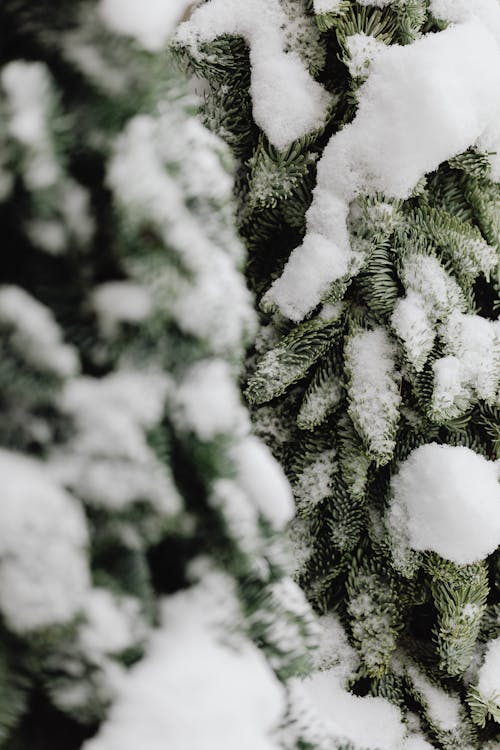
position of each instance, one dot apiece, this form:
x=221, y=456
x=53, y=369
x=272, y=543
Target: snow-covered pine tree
x=143, y=596
x=369, y=151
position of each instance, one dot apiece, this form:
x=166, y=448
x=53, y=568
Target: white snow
x=144, y=188
x=411, y=322
x=420, y=105
x=417, y=742
x=240, y=517
x=334, y=648
x=334, y=712
x=319, y=402
x=44, y=575
x=367, y=721
x=287, y=101
x=262, y=478
x=314, y=483
x=373, y=390
x=446, y=499
x=195, y=690
x=76, y=210
x=29, y=99
x=489, y=674
x=150, y=23
x=35, y=333
x=326, y=6
x=431, y=295
x=120, y=301
x=363, y=49
x=471, y=368
x=443, y=709
x=207, y=401
x=108, y=462
x=112, y=624
x=438, y=292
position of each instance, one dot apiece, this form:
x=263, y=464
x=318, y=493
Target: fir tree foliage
x=399, y=351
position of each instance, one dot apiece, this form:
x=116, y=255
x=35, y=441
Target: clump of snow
x=446, y=499
x=314, y=483
x=363, y=49
x=108, y=462
x=28, y=90
x=147, y=192
x=262, y=478
x=489, y=675
x=319, y=401
x=471, y=368
x=438, y=292
x=421, y=104
x=76, y=210
x=207, y=401
x=431, y=295
x=193, y=689
x=442, y=708
x=326, y=6
x=150, y=24
x=460, y=11
x=417, y=742
x=334, y=712
x=240, y=517
x=120, y=301
x=367, y=721
x=112, y=623
x=334, y=648
x=287, y=102
x=34, y=332
x=47, y=234
x=411, y=322
x=44, y=575
x=373, y=391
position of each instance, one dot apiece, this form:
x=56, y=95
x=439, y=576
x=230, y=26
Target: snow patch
x=35, y=333
x=120, y=301
x=150, y=23
x=207, y=401
x=194, y=689
x=443, y=709
x=29, y=96
x=263, y=480
x=489, y=674
x=471, y=368
x=287, y=102
x=373, y=390
x=44, y=575
x=446, y=499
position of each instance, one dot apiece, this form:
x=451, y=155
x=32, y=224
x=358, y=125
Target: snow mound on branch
x=194, y=690
x=287, y=102
x=420, y=105
x=446, y=499
x=442, y=708
x=471, y=367
x=150, y=23
x=35, y=333
x=373, y=390
x=44, y=576
x=367, y=722
x=489, y=674
x=117, y=302
x=208, y=402
x=262, y=478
